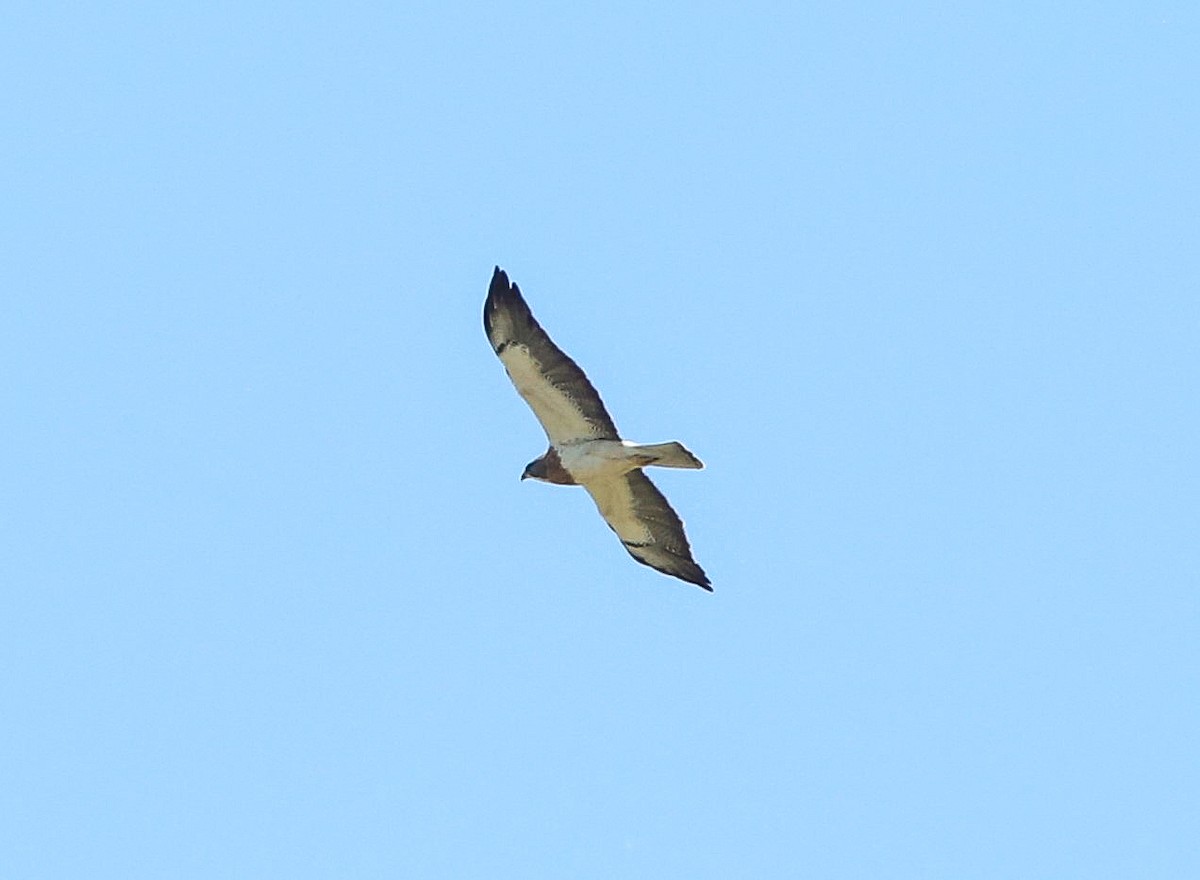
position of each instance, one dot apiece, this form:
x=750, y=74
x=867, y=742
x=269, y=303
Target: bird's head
x=535, y=469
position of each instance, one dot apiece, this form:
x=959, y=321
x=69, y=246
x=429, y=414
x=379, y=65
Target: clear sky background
x=919, y=282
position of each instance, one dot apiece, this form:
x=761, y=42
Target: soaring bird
x=585, y=448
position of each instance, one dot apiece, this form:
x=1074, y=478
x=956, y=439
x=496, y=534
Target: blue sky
x=918, y=282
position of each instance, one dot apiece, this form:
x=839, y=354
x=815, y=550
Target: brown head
x=548, y=469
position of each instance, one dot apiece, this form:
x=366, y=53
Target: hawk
x=585, y=448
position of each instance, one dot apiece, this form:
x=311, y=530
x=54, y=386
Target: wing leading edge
x=556, y=389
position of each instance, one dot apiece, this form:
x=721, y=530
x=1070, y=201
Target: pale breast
x=599, y=459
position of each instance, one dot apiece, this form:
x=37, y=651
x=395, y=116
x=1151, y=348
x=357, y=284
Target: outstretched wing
x=552, y=384
x=647, y=526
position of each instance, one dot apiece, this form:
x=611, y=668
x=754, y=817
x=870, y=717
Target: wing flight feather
x=648, y=527
x=553, y=385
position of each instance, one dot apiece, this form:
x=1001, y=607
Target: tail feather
x=673, y=455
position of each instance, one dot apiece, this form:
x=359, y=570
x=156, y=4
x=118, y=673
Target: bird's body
x=585, y=448
x=586, y=461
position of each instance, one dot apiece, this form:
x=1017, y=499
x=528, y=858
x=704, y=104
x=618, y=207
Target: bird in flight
x=585, y=448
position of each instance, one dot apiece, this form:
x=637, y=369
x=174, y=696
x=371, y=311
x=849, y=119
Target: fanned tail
x=672, y=455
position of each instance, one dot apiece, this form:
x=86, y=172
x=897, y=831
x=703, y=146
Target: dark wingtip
x=683, y=568
x=693, y=574
x=499, y=282
x=498, y=288
x=501, y=289
x=505, y=295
